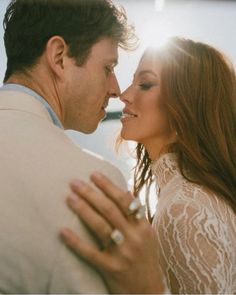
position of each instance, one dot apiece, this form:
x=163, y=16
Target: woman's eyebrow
x=143, y=72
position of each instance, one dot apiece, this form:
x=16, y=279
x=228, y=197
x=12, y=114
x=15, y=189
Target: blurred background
x=211, y=21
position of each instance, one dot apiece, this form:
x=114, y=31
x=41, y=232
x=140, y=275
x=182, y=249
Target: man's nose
x=114, y=87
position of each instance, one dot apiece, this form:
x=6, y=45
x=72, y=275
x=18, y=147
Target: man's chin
x=89, y=129
x=86, y=128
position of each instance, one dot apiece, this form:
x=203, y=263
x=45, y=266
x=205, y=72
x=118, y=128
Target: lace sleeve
x=193, y=249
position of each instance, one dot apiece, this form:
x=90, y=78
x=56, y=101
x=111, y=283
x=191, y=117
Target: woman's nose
x=126, y=95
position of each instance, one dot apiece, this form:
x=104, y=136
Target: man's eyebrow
x=113, y=61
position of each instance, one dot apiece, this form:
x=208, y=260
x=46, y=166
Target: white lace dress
x=196, y=232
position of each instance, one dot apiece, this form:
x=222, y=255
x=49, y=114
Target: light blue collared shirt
x=21, y=88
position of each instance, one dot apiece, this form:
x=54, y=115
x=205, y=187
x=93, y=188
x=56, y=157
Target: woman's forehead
x=149, y=62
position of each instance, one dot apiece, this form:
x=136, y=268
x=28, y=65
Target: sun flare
x=155, y=34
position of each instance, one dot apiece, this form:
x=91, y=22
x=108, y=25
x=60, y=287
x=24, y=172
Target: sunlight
x=155, y=33
x=159, y=4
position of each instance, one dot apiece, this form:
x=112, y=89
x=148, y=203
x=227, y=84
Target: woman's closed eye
x=145, y=86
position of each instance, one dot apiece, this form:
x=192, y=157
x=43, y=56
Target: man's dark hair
x=29, y=24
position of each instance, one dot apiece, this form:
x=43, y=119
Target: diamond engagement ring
x=117, y=237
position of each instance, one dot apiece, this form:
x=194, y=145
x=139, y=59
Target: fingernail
x=73, y=199
x=97, y=175
x=77, y=184
x=65, y=234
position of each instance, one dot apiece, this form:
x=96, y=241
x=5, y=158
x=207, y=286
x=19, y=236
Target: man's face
x=87, y=88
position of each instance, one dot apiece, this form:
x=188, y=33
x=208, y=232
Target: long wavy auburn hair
x=198, y=91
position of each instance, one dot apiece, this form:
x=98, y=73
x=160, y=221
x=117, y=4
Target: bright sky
x=208, y=21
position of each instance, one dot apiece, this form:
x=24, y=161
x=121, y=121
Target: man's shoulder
x=40, y=142
x=95, y=162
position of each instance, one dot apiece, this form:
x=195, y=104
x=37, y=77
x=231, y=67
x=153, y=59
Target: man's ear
x=56, y=52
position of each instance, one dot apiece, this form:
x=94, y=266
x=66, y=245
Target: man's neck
x=41, y=88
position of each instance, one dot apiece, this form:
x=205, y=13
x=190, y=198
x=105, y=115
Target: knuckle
x=116, y=268
x=108, y=210
x=122, y=198
x=139, y=238
x=146, y=230
x=81, y=206
x=86, y=190
x=104, y=182
x=129, y=255
x=104, y=230
x=91, y=255
x=129, y=196
x=135, y=248
x=74, y=243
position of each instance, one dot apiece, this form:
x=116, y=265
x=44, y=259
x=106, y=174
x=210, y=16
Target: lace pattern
x=196, y=232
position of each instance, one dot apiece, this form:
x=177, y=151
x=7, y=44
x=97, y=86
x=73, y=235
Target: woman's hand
x=128, y=255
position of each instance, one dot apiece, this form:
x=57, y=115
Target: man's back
x=38, y=161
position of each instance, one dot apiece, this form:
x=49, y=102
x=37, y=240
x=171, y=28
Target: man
x=60, y=60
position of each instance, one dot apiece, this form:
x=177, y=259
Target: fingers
x=103, y=205
x=85, y=250
x=96, y=223
x=130, y=206
x=119, y=196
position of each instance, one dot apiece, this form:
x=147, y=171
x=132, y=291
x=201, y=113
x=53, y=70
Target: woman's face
x=144, y=119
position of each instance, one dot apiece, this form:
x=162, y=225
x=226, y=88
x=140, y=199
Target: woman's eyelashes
x=145, y=85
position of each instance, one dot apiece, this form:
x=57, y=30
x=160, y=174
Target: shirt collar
x=24, y=89
x=165, y=169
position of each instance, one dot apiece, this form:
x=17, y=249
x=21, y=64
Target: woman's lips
x=128, y=114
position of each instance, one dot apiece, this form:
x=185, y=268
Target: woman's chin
x=126, y=136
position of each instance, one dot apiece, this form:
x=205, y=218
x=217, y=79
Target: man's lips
x=105, y=105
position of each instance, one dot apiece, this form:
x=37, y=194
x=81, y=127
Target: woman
x=181, y=110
